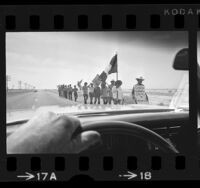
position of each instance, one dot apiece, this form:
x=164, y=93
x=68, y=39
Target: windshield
x=82, y=72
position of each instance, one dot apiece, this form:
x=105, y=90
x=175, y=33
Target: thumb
x=84, y=141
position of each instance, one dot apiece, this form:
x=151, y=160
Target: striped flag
x=111, y=68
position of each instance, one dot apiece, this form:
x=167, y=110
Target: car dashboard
x=167, y=124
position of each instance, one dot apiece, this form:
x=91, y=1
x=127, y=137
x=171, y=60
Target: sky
x=46, y=59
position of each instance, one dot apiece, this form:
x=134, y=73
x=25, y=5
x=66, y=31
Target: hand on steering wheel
x=131, y=129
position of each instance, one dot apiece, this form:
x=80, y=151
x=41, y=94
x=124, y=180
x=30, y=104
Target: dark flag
x=113, y=65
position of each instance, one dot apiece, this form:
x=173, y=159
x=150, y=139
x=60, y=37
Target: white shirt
x=91, y=89
x=117, y=91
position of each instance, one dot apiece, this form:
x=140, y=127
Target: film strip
x=124, y=165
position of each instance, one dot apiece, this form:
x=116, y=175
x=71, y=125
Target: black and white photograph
x=97, y=92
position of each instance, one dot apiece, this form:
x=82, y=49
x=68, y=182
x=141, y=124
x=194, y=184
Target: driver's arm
x=50, y=133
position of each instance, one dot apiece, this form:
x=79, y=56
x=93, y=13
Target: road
x=34, y=100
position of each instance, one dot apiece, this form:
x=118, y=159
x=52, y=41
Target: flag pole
x=117, y=73
x=117, y=67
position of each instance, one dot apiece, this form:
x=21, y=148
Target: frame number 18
x=145, y=175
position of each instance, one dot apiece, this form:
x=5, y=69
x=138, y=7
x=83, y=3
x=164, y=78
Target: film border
x=103, y=18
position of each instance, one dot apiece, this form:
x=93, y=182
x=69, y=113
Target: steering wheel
x=122, y=127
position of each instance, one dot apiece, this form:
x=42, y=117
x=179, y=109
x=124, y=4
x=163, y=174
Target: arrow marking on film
x=27, y=175
x=130, y=175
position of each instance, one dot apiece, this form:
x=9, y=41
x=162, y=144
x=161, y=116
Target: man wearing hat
x=117, y=93
x=91, y=93
x=97, y=93
x=85, y=92
x=138, y=92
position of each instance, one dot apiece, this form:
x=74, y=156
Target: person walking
x=138, y=92
x=62, y=94
x=110, y=94
x=75, y=91
x=104, y=92
x=70, y=92
x=97, y=94
x=65, y=89
x=117, y=92
x=59, y=90
x=85, y=92
x=91, y=93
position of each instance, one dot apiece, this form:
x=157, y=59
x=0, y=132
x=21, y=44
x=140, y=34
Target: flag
x=96, y=80
x=112, y=67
